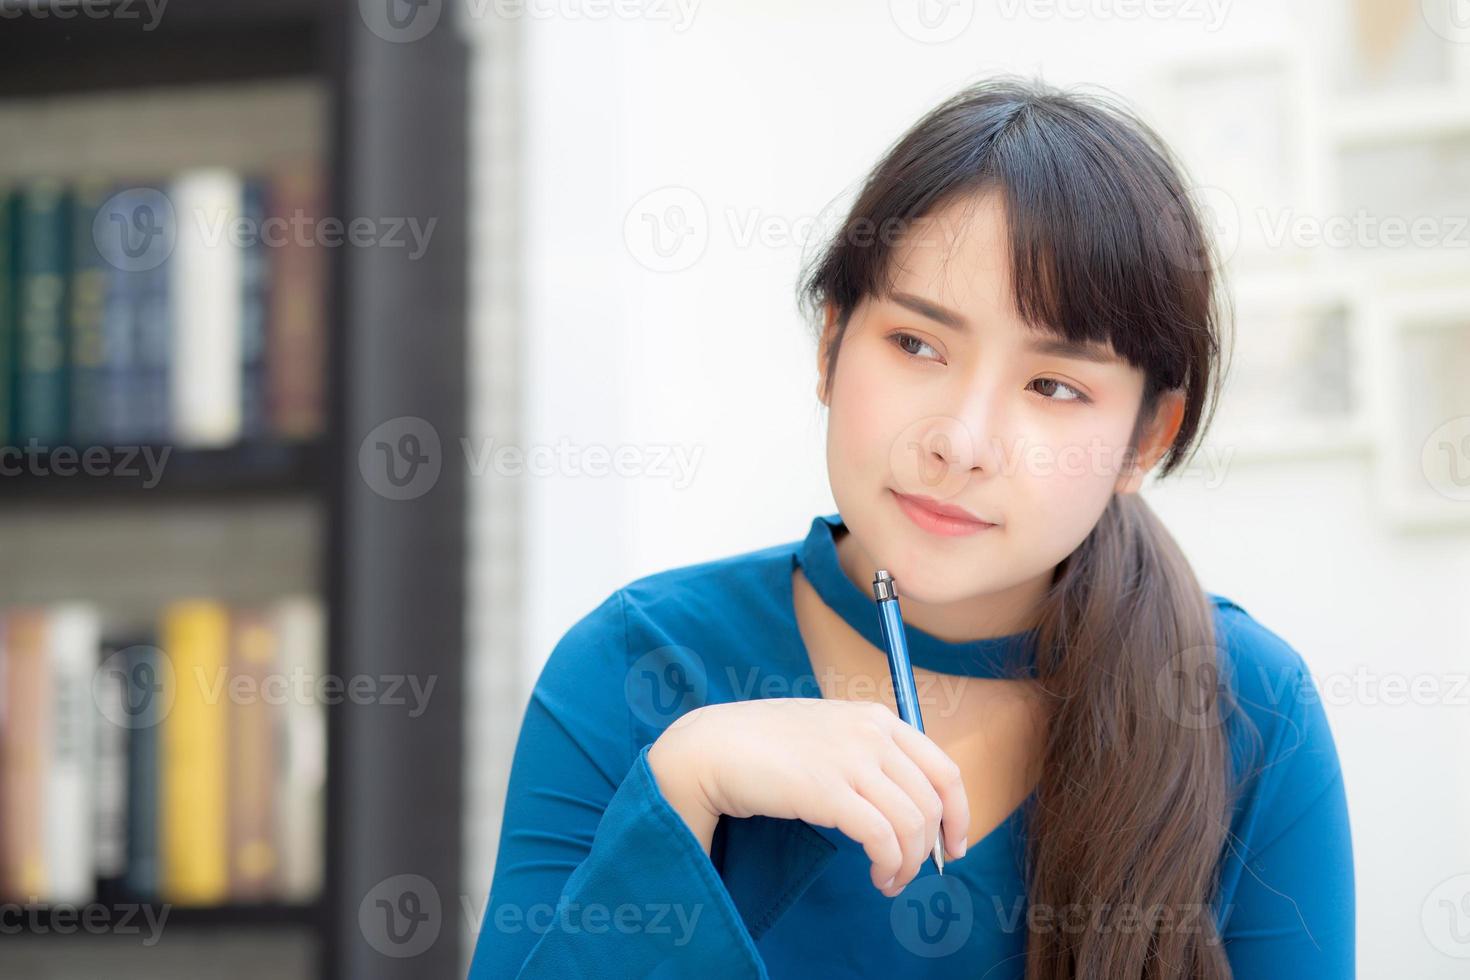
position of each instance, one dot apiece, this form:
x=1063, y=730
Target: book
x=41, y=348
x=86, y=312
x=300, y=623
x=27, y=720
x=114, y=721
x=147, y=695
x=204, y=290
x=72, y=640
x=196, y=641
x=297, y=322
x=9, y=231
x=254, y=835
x=255, y=288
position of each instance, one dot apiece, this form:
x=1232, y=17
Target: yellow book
x=192, y=813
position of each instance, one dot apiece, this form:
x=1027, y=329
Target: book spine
x=41, y=353
x=74, y=638
x=205, y=294
x=148, y=691
x=254, y=837
x=88, y=296
x=196, y=638
x=254, y=311
x=110, y=827
x=296, y=341
x=117, y=376
x=300, y=794
x=8, y=234
x=158, y=329
x=27, y=727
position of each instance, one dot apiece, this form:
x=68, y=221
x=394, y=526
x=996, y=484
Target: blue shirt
x=598, y=876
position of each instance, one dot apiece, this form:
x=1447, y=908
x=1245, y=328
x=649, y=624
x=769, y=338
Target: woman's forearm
x=679, y=785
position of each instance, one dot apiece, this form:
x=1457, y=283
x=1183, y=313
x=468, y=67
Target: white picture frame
x=1419, y=396
x=1295, y=382
x=1383, y=57
x=1404, y=191
x=1247, y=129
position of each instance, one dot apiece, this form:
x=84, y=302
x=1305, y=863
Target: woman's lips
x=936, y=523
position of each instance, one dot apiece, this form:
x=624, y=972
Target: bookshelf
x=249, y=470
x=388, y=123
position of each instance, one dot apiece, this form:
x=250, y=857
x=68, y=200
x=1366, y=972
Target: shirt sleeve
x=596, y=874
x=1293, y=912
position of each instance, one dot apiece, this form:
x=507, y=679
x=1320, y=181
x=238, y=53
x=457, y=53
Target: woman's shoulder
x=684, y=620
x=1276, y=717
x=734, y=581
x=1262, y=668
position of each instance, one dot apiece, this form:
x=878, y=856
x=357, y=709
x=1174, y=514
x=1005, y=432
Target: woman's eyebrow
x=933, y=311
x=1038, y=341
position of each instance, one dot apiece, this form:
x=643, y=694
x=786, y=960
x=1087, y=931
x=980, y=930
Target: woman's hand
x=852, y=765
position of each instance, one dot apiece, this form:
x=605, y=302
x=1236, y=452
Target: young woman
x=1018, y=321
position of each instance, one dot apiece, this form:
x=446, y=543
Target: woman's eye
x=1075, y=396
x=903, y=340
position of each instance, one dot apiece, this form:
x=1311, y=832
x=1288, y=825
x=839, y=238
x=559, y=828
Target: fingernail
x=964, y=845
x=888, y=884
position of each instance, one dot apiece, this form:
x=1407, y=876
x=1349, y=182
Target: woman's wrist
x=677, y=777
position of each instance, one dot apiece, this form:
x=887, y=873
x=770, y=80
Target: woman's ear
x=1155, y=440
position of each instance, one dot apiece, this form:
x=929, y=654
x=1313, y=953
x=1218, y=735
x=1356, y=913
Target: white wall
x=771, y=110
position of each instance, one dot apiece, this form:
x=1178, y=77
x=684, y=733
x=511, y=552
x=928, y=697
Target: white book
x=72, y=648
x=205, y=284
x=301, y=782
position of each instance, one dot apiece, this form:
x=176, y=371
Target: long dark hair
x=1132, y=809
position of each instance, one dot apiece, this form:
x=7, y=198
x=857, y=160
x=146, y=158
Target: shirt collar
x=1008, y=656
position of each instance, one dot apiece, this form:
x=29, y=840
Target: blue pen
x=885, y=590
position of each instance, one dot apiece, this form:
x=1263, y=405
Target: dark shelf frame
x=392, y=571
x=122, y=911
x=193, y=42
x=261, y=469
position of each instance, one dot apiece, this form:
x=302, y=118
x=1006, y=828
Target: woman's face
x=941, y=390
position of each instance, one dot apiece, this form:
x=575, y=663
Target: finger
x=901, y=812
x=945, y=776
x=863, y=822
x=905, y=772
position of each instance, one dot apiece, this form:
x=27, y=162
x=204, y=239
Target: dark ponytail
x=1131, y=814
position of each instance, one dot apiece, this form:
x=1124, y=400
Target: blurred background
x=352, y=351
